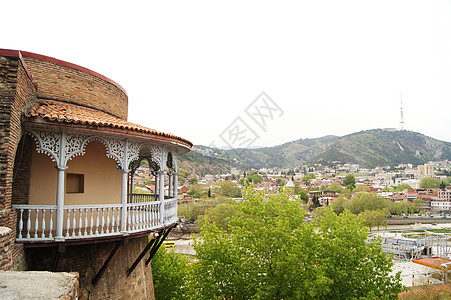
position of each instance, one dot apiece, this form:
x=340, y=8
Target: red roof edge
x=18, y=53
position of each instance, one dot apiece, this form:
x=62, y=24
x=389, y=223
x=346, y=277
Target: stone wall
x=62, y=81
x=5, y=248
x=87, y=261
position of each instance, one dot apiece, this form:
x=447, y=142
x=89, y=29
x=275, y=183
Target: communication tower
x=402, y=115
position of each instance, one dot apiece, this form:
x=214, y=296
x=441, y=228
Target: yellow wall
x=102, y=181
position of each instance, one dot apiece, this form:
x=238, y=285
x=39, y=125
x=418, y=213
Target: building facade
x=68, y=159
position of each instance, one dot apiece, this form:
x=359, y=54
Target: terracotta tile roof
x=70, y=113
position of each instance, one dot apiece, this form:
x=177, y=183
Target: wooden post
x=161, y=194
x=124, y=200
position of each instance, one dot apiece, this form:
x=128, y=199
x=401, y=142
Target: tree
x=349, y=180
x=308, y=177
x=335, y=187
x=402, y=187
x=169, y=270
x=443, y=184
x=193, y=181
x=367, y=201
x=338, y=206
x=417, y=206
x=271, y=253
x=361, y=188
x=256, y=178
x=372, y=218
x=429, y=183
x=397, y=208
x=209, y=192
x=193, y=192
x=230, y=189
x=220, y=215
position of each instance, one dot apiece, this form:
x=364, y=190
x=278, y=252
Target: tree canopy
x=429, y=183
x=169, y=270
x=271, y=253
x=349, y=180
x=308, y=177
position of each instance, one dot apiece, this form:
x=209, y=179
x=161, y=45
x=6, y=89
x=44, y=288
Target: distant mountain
x=381, y=147
x=367, y=148
x=201, y=164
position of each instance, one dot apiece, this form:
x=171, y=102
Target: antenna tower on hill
x=402, y=115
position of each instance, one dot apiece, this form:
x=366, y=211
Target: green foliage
x=349, y=180
x=220, y=215
x=335, y=187
x=339, y=205
x=303, y=195
x=193, y=192
x=402, y=187
x=366, y=201
x=361, y=188
x=230, y=189
x=417, y=206
x=193, y=181
x=191, y=211
x=397, y=208
x=256, y=178
x=182, y=174
x=429, y=183
x=272, y=254
x=169, y=271
x=308, y=177
x=372, y=218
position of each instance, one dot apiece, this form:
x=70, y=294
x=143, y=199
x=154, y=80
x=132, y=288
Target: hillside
x=201, y=164
x=367, y=148
x=379, y=147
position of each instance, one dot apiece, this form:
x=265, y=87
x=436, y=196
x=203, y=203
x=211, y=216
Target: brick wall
x=17, y=92
x=62, y=83
x=88, y=259
x=22, y=171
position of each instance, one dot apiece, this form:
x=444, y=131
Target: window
x=75, y=183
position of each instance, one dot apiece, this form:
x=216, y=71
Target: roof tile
x=70, y=113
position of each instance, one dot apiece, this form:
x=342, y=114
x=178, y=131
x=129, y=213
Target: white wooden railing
x=140, y=198
x=37, y=222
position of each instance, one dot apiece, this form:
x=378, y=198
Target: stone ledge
x=38, y=285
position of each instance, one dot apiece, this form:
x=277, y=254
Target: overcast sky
x=193, y=67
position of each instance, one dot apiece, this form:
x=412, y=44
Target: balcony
x=37, y=223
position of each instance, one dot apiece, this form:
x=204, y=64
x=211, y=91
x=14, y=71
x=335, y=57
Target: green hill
x=367, y=148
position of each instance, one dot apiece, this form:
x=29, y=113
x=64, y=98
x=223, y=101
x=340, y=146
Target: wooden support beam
x=59, y=252
x=149, y=244
x=157, y=245
x=106, y=263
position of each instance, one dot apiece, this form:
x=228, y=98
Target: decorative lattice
x=74, y=146
x=156, y=152
x=47, y=142
x=133, y=149
x=115, y=150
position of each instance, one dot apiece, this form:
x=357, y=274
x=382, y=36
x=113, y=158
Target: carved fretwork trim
x=47, y=142
x=62, y=147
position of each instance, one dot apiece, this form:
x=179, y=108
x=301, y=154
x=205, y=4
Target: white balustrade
x=36, y=222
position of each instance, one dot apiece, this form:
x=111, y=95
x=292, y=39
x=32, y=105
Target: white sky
x=192, y=67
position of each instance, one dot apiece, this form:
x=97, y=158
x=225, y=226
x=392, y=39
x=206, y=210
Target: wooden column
x=60, y=202
x=161, y=194
x=61, y=167
x=124, y=200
